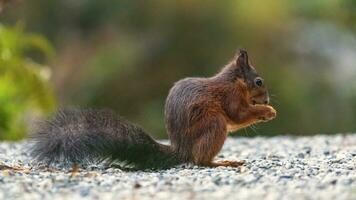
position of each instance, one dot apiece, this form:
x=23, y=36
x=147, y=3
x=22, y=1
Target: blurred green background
x=125, y=55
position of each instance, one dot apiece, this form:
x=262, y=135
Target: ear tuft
x=242, y=59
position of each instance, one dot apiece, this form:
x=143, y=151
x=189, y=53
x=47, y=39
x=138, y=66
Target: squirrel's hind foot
x=226, y=163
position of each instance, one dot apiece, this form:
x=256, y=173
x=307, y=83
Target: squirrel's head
x=245, y=72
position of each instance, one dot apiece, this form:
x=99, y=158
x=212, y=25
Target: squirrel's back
x=183, y=94
x=186, y=104
x=181, y=98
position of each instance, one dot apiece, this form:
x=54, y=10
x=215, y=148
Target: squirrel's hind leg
x=211, y=135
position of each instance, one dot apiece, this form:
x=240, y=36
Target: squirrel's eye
x=259, y=82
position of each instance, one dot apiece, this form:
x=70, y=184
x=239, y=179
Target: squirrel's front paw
x=269, y=114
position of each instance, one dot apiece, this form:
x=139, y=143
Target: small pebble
x=318, y=167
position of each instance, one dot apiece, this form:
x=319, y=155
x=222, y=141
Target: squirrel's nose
x=267, y=101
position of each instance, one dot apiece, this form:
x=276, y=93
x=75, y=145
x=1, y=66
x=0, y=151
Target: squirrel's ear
x=242, y=59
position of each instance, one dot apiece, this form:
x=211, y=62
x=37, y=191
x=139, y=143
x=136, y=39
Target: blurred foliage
x=23, y=85
x=126, y=54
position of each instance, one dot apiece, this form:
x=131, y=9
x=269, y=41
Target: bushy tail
x=91, y=136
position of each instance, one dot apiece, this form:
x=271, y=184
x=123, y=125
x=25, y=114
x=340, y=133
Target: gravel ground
x=319, y=167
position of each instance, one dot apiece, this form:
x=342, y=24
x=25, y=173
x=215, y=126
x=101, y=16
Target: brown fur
x=200, y=111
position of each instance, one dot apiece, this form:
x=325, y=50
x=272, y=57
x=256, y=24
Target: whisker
x=274, y=100
x=253, y=128
x=246, y=133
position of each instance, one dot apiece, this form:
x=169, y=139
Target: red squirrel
x=199, y=113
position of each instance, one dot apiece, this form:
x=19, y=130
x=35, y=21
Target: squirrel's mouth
x=260, y=99
x=263, y=102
